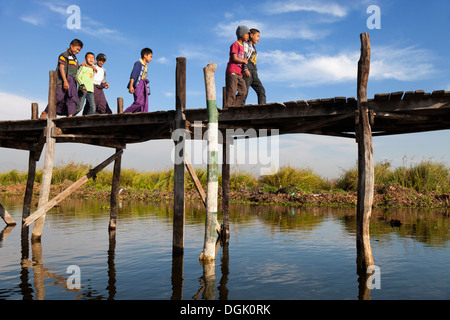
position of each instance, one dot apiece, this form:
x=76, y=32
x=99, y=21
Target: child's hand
x=66, y=85
x=106, y=85
x=131, y=90
x=247, y=73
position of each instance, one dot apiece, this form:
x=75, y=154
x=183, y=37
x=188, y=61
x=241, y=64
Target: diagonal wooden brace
x=92, y=173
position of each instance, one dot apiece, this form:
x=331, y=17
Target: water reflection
x=428, y=227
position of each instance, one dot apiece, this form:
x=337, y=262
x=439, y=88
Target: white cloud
x=15, y=107
x=271, y=31
x=32, y=20
x=302, y=70
x=196, y=53
x=89, y=26
x=162, y=60
x=405, y=64
x=320, y=7
x=402, y=64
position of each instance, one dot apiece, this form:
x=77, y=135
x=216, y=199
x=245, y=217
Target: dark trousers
x=254, y=82
x=235, y=82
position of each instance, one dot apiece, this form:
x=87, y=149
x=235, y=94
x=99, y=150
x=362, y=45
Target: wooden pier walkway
x=390, y=113
x=348, y=117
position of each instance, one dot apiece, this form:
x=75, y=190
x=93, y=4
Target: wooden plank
x=194, y=177
x=418, y=94
x=325, y=122
x=366, y=174
x=401, y=116
x=6, y=216
x=290, y=104
x=396, y=96
x=438, y=94
x=351, y=101
x=327, y=101
x=381, y=97
x=76, y=185
x=408, y=95
x=314, y=102
x=301, y=103
x=340, y=100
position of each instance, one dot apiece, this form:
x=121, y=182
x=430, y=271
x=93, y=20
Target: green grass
x=424, y=176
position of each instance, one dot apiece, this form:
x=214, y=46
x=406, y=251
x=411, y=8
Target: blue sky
x=308, y=50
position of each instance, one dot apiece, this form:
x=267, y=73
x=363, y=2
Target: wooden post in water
x=226, y=188
x=31, y=171
x=179, y=163
x=366, y=176
x=49, y=156
x=208, y=253
x=225, y=178
x=115, y=180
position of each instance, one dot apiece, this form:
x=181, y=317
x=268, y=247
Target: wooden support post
x=179, y=170
x=208, y=253
x=49, y=156
x=226, y=188
x=224, y=97
x=115, y=191
x=366, y=177
x=119, y=105
x=60, y=197
x=6, y=216
x=31, y=171
x=115, y=185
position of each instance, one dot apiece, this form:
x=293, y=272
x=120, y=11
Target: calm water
x=273, y=253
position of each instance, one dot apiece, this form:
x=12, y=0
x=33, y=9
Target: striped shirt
x=70, y=63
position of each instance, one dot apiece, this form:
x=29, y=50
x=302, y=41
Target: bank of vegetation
x=424, y=184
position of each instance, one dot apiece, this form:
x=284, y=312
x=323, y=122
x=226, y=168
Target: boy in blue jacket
x=139, y=84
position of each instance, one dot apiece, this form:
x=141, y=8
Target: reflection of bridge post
x=363, y=288
x=111, y=265
x=177, y=276
x=38, y=269
x=209, y=279
x=225, y=268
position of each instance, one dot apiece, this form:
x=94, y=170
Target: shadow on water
x=418, y=225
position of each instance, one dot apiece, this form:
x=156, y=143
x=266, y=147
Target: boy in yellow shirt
x=85, y=80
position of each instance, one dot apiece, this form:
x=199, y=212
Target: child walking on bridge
x=139, y=84
x=66, y=86
x=233, y=74
x=250, y=70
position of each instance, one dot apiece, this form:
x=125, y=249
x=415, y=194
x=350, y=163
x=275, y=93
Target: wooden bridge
x=348, y=117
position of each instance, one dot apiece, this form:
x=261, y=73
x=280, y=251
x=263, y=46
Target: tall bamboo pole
x=212, y=166
x=366, y=176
